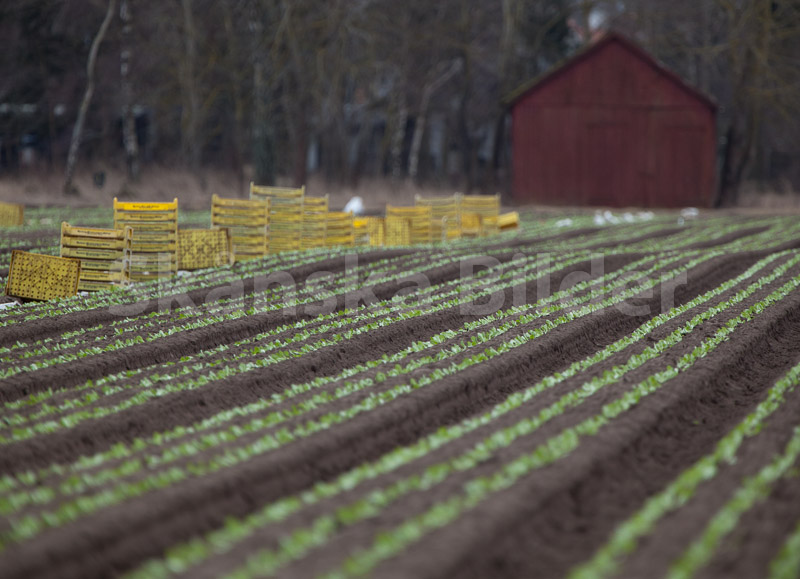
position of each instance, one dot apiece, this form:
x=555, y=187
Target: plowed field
x=570, y=400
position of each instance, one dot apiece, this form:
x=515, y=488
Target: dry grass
x=194, y=191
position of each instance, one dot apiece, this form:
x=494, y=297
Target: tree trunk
x=77, y=130
x=398, y=138
x=128, y=120
x=422, y=117
x=263, y=146
x=234, y=83
x=191, y=111
x=300, y=161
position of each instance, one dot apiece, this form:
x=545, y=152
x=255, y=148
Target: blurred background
x=143, y=97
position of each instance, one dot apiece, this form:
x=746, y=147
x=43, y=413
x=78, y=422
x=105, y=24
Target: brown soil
x=632, y=460
x=541, y=527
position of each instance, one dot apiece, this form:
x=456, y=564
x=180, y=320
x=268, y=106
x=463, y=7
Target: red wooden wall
x=613, y=128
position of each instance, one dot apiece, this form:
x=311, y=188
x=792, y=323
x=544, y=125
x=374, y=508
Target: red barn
x=612, y=127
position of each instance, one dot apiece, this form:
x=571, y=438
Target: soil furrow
x=761, y=532
x=725, y=239
x=672, y=535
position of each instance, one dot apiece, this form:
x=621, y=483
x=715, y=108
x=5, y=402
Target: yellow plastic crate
x=445, y=215
x=487, y=207
x=83, y=253
x=361, y=231
x=339, y=229
x=419, y=222
x=271, y=193
x=315, y=210
x=398, y=231
x=508, y=221
x=204, y=248
x=42, y=277
x=471, y=224
x=95, y=286
x=376, y=227
x=105, y=254
x=110, y=277
x=11, y=214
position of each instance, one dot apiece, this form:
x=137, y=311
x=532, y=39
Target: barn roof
x=588, y=51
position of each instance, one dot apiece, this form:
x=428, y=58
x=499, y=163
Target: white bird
x=355, y=206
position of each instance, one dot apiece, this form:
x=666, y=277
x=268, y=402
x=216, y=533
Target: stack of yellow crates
x=105, y=255
x=419, y=223
x=339, y=229
x=315, y=216
x=479, y=215
x=285, y=215
x=154, y=252
x=247, y=220
x=445, y=216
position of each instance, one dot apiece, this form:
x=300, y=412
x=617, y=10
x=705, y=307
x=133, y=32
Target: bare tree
x=190, y=120
x=439, y=78
x=128, y=120
x=77, y=132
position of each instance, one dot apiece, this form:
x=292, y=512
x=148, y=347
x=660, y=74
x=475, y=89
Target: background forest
x=276, y=90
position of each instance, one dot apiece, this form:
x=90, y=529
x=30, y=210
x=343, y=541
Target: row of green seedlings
x=92, y=397
x=478, y=490
x=161, y=479
x=786, y=565
x=223, y=310
x=146, y=290
x=607, y=560
x=71, y=339
x=475, y=491
x=208, y=317
x=300, y=542
x=301, y=331
x=155, y=289
x=300, y=325
x=18, y=403
x=126, y=324
x=32, y=401
x=422, y=346
x=383, y=314
x=191, y=366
